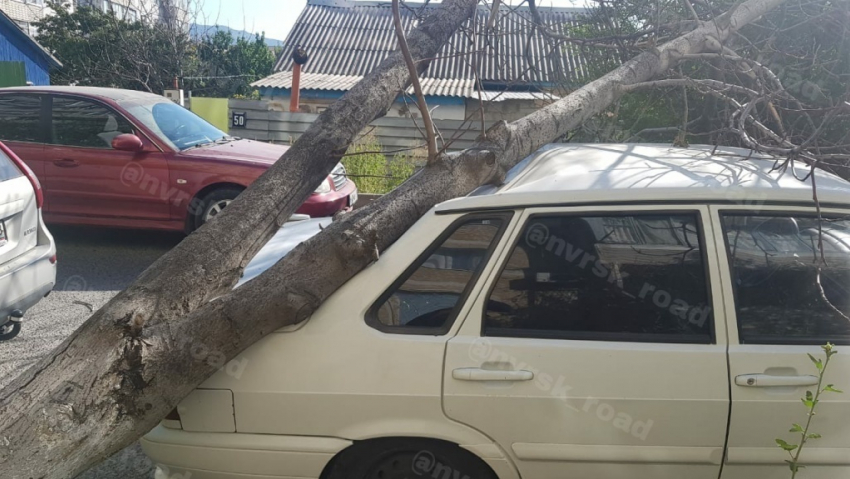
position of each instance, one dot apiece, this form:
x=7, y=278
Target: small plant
x=811, y=402
x=371, y=170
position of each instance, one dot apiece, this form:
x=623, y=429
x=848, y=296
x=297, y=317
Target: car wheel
x=9, y=330
x=406, y=458
x=214, y=203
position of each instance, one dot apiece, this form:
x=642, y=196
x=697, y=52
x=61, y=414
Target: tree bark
x=134, y=360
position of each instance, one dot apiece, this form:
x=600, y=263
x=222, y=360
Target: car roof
x=639, y=173
x=115, y=94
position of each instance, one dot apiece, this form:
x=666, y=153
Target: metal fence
x=257, y=120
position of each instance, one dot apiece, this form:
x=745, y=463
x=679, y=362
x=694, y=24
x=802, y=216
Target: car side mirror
x=127, y=142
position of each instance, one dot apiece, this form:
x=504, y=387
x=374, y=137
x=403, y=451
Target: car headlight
x=325, y=187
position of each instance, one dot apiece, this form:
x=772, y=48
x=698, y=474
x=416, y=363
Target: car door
x=85, y=176
x=22, y=128
x=596, y=349
x=779, y=310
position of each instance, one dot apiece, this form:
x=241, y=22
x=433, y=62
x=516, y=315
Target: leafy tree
x=99, y=49
x=227, y=66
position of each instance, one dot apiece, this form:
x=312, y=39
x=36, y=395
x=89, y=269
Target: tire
x=406, y=458
x=213, y=203
x=9, y=331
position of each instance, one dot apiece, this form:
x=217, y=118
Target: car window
x=19, y=118
x=175, y=125
x=784, y=294
x=8, y=170
x=618, y=278
x=427, y=296
x=83, y=123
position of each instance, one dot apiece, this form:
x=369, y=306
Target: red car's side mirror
x=127, y=142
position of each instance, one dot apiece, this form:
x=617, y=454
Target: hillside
x=200, y=31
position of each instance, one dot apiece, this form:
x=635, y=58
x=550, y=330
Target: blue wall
x=13, y=48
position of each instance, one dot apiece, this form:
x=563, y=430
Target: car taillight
x=36, y=185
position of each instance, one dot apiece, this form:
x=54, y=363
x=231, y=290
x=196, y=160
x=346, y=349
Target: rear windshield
x=8, y=170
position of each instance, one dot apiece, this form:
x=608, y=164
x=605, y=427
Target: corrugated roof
x=430, y=86
x=347, y=39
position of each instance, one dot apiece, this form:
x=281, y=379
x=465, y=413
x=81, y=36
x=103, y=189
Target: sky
x=276, y=17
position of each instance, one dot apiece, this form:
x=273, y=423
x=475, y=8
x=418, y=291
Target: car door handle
x=66, y=163
x=768, y=381
x=477, y=374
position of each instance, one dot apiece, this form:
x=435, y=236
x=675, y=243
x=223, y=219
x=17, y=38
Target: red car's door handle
x=66, y=163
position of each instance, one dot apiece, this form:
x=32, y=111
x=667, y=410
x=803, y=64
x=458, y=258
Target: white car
x=27, y=250
x=610, y=312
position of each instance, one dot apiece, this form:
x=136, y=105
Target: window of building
x=427, y=297
x=784, y=292
x=619, y=278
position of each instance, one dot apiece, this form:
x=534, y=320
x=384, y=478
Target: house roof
x=347, y=39
x=639, y=173
x=463, y=88
x=13, y=28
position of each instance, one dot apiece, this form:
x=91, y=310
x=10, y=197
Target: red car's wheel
x=214, y=203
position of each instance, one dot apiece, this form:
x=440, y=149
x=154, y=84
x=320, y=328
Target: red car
x=129, y=159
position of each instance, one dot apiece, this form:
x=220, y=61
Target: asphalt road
x=94, y=265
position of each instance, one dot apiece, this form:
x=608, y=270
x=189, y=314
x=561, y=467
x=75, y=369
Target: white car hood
x=285, y=240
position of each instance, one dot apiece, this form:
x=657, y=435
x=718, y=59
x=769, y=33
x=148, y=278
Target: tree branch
x=430, y=134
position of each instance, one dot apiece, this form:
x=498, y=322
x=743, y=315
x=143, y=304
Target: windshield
x=174, y=124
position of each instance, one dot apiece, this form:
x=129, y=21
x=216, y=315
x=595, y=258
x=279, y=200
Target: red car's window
x=83, y=123
x=19, y=118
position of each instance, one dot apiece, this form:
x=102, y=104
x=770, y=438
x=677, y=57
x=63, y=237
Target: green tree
x=100, y=49
x=227, y=66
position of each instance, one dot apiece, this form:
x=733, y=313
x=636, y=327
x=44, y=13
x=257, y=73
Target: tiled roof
x=430, y=86
x=347, y=39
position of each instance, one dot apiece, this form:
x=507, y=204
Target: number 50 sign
x=239, y=120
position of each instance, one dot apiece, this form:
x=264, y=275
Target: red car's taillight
x=36, y=186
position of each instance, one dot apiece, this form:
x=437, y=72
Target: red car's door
x=21, y=129
x=85, y=176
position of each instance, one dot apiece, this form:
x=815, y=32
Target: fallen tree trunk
x=127, y=367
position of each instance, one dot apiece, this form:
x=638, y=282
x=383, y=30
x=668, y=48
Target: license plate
x=2, y=233
x=352, y=199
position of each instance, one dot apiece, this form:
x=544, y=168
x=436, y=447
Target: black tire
x=14, y=329
x=225, y=194
x=406, y=458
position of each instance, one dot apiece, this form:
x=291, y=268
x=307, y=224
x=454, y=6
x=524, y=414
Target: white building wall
x=24, y=13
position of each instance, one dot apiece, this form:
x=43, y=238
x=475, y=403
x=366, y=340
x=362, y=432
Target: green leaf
x=784, y=445
x=797, y=428
x=818, y=362
x=813, y=436
x=832, y=389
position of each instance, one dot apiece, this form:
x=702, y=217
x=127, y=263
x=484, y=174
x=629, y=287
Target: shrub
x=371, y=170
